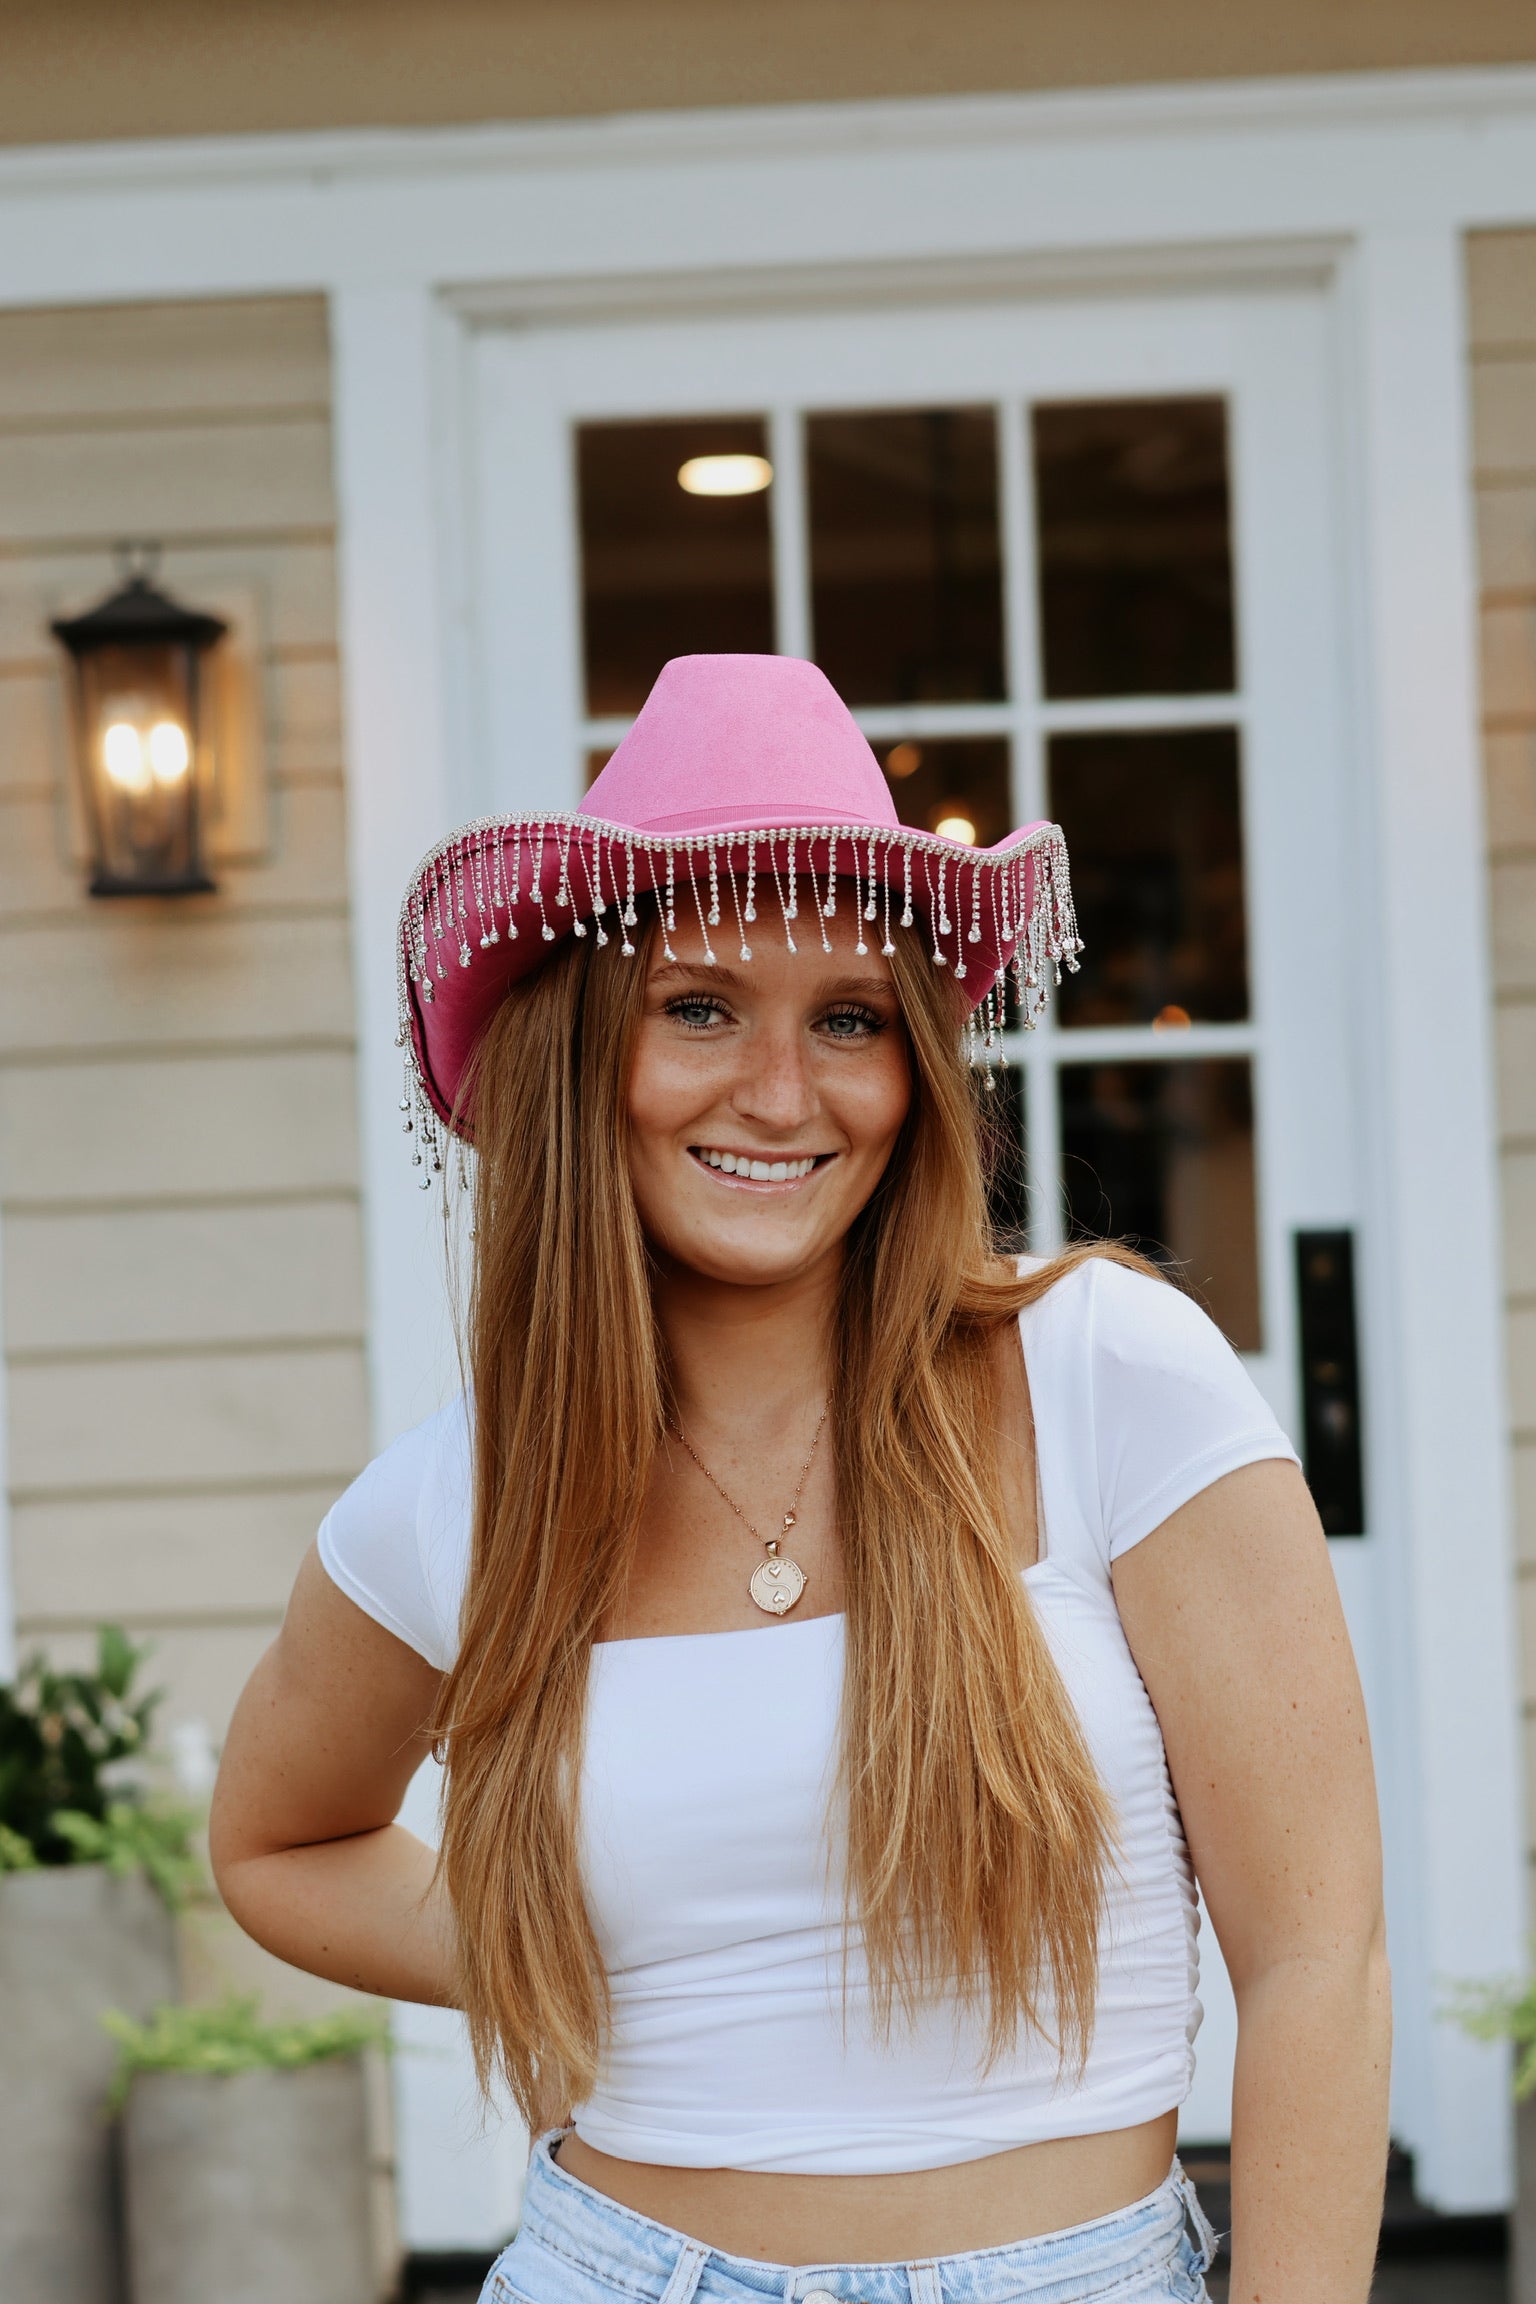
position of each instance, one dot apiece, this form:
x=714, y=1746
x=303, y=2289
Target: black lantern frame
x=138, y=690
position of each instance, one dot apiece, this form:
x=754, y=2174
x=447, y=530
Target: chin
x=734, y=1261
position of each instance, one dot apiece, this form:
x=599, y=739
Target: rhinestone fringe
x=463, y=899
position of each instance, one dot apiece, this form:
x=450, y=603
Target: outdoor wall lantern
x=138, y=692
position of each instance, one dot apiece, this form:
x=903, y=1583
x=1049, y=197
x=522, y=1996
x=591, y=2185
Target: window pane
x=906, y=572
x=1002, y=1119
x=1154, y=832
x=1135, y=548
x=950, y=785
x=665, y=571
x=1161, y=1155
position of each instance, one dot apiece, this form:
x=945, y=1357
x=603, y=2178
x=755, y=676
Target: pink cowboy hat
x=742, y=777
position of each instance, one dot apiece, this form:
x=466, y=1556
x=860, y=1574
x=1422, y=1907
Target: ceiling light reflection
x=725, y=475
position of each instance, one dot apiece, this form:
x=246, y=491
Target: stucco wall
x=1502, y=286
x=175, y=68
x=183, y=1314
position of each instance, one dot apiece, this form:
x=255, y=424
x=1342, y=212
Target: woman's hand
x=1233, y=1617
x=308, y=1858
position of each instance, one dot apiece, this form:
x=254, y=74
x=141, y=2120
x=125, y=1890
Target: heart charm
x=776, y=1586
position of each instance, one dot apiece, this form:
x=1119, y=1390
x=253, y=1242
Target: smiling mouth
x=747, y=1168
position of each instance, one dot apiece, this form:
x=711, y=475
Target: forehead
x=826, y=952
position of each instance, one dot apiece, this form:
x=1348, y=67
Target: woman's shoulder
x=1157, y=1401
x=397, y=1541
x=1119, y=1307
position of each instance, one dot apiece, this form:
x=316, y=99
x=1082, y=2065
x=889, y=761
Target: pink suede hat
x=743, y=777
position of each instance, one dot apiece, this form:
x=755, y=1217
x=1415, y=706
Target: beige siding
x=1502, y=284
x=178, y=1158
x=95, y=69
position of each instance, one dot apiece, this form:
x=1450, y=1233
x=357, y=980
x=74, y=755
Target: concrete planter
x=248, y=2188
x=73, y=1941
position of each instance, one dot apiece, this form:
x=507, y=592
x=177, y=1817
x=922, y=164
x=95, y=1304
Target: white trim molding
x=897, y=182
x=1360, y=186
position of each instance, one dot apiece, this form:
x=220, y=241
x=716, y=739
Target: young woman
x=847, y=1646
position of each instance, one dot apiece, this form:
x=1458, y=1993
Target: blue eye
x=852, y=1023
x=696, y=1011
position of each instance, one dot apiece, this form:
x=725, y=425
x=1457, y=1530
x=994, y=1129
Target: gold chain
x=790, y=1517
x=779, y=1581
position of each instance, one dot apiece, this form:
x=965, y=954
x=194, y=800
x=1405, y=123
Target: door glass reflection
x=1134, y=548
x=906, y=566
x=1154, y=830
x=675, y=551
x=957, y=786
x=1161, y=1155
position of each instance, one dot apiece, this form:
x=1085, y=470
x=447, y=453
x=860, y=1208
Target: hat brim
x=490, y=905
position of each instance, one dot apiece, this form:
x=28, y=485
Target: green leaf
x=117, y=1659
x=231, y=2037
x=155, y=1838
x=16, y=1853
x=1501, y=2011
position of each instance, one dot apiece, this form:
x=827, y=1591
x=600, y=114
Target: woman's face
x=764, y=1101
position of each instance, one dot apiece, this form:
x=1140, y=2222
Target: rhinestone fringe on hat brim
x=500, y=877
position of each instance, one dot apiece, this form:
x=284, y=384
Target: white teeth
x=760, y=1171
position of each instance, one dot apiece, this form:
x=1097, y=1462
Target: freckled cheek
x=870, y=1105
x=667, y=1088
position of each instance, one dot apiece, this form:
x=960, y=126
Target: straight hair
x=975, y=1833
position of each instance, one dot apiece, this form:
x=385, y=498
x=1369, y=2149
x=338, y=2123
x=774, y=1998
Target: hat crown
x=726, y=743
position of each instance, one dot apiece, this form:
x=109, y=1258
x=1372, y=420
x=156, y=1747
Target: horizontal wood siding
x=98, y=69
x=178, y=1152
x=1502, y=294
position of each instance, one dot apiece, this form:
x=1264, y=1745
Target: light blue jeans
x=574, y=2246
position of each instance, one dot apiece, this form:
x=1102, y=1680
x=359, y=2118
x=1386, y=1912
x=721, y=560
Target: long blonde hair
x=977, y=1833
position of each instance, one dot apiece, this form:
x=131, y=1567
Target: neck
x=746, y=1361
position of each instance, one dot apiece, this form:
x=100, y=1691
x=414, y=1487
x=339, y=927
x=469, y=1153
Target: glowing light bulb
x=725, y=475
x=169, y=754
x=957, y=828
x=122, y=755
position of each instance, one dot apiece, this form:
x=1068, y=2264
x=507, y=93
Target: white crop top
x=710, y=1758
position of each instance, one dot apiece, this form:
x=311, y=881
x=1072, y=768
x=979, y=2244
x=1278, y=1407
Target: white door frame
x=1369, y=182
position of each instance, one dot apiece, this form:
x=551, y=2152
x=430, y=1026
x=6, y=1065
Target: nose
x=774, y=1087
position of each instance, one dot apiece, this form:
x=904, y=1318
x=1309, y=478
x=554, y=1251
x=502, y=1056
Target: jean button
x=818, y=2296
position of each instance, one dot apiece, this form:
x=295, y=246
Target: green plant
x=63, y=1735
x=231, y=2037
x=1502, y=2012
x=16, y=1854
x=153, y=1837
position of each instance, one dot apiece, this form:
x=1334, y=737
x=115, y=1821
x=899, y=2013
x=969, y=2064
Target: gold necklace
x=778, y=1581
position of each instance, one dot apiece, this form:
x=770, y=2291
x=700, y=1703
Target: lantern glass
x=137, y=665
x=138, y=729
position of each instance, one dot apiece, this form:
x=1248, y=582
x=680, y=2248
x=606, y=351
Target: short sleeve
x=397, y=1543
x=1173, y=1408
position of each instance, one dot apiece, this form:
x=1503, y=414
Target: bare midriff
x=906, y=2218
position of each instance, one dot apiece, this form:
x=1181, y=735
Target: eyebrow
x=863, y=987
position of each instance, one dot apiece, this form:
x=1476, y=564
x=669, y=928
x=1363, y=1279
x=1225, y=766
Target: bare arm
x=324, y=1741
x=1233, y=1617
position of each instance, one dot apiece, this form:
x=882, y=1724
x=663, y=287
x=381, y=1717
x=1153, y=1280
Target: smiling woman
x=861, y=1941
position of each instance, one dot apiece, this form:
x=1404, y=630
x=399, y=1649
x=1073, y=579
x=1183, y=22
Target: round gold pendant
x=777, y=1585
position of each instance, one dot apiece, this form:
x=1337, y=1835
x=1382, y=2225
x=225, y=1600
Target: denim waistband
x=601, y=2249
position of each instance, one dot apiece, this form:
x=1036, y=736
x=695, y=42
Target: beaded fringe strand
x=467, y=896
